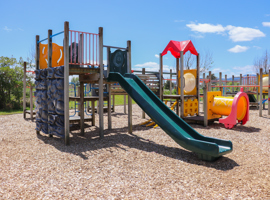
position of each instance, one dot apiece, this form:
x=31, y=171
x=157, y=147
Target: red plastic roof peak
x=175, y=47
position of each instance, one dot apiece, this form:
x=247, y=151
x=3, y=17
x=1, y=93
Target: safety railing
x=83, y=48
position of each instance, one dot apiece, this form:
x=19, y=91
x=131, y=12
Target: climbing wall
x=50, y=101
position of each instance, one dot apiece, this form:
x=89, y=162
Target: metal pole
x=66, y=81
x=37, y=62
x=100, y=90
x=31, y=101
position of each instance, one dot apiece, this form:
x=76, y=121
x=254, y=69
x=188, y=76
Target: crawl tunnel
x=236, y=108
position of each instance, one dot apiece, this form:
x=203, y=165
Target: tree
x=206, y=61
x=262, y=62
x=167, y=84
x=11, y=83
x=75, y=80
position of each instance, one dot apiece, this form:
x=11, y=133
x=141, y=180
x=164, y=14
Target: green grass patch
x=11, y=112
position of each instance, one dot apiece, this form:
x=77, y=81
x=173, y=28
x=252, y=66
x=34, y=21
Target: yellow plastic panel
x=57, y=55
x=210, y=100
x=191, y=107
x=190, y=77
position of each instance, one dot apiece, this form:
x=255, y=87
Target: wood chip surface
x=146, y=164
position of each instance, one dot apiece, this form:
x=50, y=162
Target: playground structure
x=188, y=92
x=253, y=85
x=54, y=109
x=86, y=49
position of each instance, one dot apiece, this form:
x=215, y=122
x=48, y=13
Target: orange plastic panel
x=57, y=55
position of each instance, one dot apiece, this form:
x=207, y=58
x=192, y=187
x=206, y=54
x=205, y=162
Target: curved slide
x=207, y=148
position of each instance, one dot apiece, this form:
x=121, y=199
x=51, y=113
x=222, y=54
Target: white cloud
x=156, y=55
x=248, y=69
x=7, y=29
x=236, y=34
x=257, y=47
x=266, y=24
x=197, y=36
x=206, y=28
x=239, y=34
x=238, y=49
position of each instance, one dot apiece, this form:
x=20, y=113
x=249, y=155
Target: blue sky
x=234, y=31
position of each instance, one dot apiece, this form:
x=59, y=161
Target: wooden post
x=129, y=98
x=225, y=92
x=109, y=91
x=93, y=113
x=100, y=83
x=143, y=113
x=87, y=94
x=205, y=106
x=82, y=107
x=241, y=80
x=49, y=55
x=31, y=101
x=233, y=84
x=198, y=82
x=177, y=85
x=269, y=92
x=37, y=62
x=24, y=90
x=113, y=103
x=66, y=81
x=170, y=83
x=220, y=83
x=257, y=89
x=79, y=94
x=182, y=82
x=161, y=77
x=49, y=49
x=125, y=104
x=261, y=89
x=210, y=82
x=247, y=81
x=204, y=85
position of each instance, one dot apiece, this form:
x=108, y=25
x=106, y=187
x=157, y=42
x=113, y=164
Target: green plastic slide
x=206, y=148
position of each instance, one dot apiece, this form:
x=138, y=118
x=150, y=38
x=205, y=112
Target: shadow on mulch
x=238, y=127
x=114, y=138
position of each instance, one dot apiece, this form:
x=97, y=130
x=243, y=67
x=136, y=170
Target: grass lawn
x=10, y=112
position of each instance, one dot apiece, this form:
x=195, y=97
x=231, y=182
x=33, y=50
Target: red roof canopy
x=175, y=47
